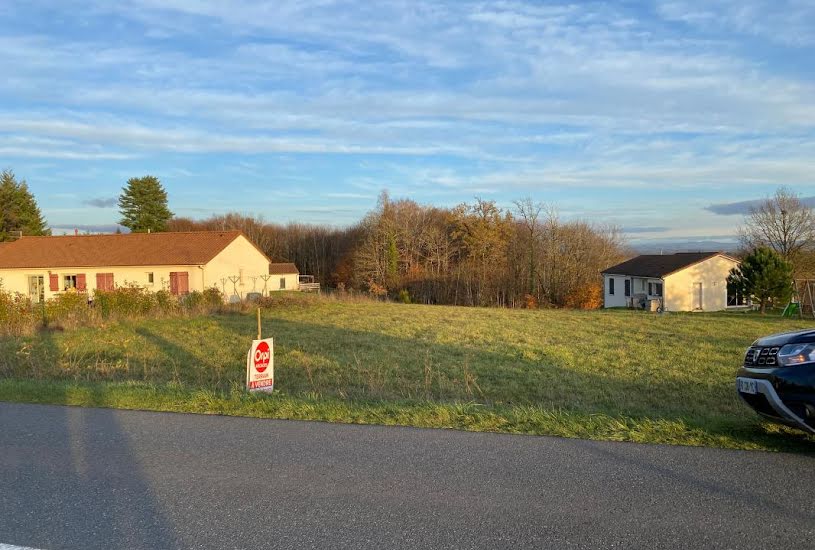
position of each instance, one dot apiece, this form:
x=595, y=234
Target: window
x=282, y=283
x=74, y=282
x=628, y=287
x=735, y=296
x=611, y=286
x=69, y=282
x=150, y=279
x=36, y=288
x=655, y=289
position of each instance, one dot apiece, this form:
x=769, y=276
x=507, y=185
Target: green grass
x=613, y=375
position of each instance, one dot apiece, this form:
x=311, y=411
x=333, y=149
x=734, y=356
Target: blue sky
x=638, y=114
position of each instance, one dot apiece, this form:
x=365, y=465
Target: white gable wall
x=711, y=273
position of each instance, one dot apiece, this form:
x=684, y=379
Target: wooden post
x=259, y=332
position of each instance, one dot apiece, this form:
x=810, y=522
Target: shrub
x=213, y=298
x=530, y=301
x=17, y=317
x=69, y=309
x=588, y=296
x=404, y=296
x=166, y=303
x=129, y=301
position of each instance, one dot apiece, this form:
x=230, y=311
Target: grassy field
x=617, y=375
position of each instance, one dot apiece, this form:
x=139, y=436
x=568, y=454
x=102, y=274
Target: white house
x=42, y=267
x=687, y=281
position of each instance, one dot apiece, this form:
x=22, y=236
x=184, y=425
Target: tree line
x=473, y=254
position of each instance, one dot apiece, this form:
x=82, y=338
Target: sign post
x=260, y=366
x=260, y=363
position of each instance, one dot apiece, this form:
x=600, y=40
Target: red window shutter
x=184, y=283
x=173, y=282
x=104, y=281
x=81, y=283
x=53, y=279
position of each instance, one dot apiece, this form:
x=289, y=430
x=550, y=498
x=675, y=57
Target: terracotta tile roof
x=659, y=265
x=134, y=249
x=283, y=269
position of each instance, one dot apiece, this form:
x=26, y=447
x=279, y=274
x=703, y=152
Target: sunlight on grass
x=618, y=375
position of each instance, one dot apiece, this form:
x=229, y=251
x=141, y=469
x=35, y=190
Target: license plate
x=747, y=385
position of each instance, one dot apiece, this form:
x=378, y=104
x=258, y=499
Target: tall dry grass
x=69, y=310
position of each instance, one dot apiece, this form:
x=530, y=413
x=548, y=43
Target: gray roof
x=659, y=265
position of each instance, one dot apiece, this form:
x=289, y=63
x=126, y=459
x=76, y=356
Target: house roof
x=659, y=265
x=133, y=249
x=283, y=269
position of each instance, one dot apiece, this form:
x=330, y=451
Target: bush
x=128, y=301
x=17, y=316
x=69, y=309
x=404, y=296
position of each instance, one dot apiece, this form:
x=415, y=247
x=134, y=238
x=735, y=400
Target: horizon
x=668, y=119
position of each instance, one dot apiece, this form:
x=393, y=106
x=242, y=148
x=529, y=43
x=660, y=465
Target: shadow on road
x=82, y=473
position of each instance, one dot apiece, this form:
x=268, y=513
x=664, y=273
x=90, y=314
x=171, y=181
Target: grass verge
x=601, y=375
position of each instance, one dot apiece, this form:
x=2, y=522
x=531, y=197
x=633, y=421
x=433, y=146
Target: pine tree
x=143, y=205
x=18, y=209
x=765, y=275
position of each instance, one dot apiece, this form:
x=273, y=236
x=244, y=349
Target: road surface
x=96, y=478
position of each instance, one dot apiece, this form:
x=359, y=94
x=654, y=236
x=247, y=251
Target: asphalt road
x=95, y=478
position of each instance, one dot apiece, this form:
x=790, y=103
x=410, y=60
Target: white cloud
x=522, y=95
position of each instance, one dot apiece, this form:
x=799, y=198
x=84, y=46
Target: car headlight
x=796, y=354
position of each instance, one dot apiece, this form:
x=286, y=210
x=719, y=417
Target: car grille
x=761, y=356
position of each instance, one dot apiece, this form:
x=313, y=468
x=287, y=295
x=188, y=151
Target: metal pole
x=259, y=332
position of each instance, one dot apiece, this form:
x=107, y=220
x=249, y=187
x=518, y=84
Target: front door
x=36, y=288
x=697, y=296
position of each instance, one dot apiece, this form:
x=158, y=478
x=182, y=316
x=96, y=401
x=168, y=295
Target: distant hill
x=670, y=247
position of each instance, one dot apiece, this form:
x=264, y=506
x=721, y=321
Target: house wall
x=618, y=299
x=712, y=273
x=16, y=280
x=292, y=281
x=241, y=259
x=639, y=285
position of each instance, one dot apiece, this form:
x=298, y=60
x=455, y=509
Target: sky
x=665, y=118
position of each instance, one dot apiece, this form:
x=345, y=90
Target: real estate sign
x=260, y=366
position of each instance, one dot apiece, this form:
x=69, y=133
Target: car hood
x=796, y=337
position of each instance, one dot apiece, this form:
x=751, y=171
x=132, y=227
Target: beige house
x=688, y=281
x=42, y=267
x=285, y=276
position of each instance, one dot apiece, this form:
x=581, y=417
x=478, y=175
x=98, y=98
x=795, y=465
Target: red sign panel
x=260, y=366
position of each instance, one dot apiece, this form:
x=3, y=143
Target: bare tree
x=781, y=222
x=529, y=212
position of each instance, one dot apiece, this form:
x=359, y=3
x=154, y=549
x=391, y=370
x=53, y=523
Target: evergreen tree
x=765, y=275
x=143, y=205
x=18, y=209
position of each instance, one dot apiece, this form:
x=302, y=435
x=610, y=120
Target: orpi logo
x=262, y=357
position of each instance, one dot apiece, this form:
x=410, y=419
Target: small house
x=686, y=281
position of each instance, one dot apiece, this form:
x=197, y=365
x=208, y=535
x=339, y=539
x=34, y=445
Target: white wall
x=712, y=273
x=639, y=285
x=618, y=299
